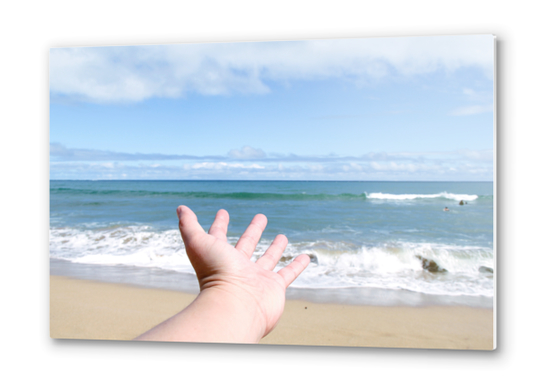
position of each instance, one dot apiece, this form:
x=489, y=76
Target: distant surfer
x=446, y=209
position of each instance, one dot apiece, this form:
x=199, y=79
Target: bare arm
x=240, y=301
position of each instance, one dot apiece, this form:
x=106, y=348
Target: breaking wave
x=420, y=267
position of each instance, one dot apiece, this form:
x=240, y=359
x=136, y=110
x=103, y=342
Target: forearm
x=214, y=316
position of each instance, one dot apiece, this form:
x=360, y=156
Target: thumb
x=188, y=224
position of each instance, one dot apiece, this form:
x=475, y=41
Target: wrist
x=236, y=311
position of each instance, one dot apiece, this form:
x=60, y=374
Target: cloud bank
x=60, y=153
x=137, y=73
x=249, y=163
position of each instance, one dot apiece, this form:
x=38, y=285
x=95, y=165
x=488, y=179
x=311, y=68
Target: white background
x=29, y=29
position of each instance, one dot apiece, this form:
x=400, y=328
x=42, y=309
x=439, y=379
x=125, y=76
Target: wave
x=442, y=195
x=440, y=269
x=421, y=267
x=268, y=196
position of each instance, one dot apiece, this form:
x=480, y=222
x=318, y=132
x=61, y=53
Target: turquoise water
x=360, y=234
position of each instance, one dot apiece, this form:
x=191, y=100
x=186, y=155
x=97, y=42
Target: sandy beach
x=85, y=309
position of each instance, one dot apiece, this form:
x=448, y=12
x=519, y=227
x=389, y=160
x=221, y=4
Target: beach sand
x=85, y=309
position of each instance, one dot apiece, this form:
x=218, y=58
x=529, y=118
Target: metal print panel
x=331, y=192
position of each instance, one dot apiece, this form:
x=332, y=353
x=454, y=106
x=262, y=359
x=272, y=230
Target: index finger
x=188, y=224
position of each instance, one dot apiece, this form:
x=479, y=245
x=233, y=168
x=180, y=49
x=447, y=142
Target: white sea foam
x=135, y=245
x=335, y=264
x=444, y=195
x=400, y=266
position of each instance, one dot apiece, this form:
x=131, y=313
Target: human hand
x=228, y=270
x=239, y=300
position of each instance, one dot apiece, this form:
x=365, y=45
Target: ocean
x=393, y=238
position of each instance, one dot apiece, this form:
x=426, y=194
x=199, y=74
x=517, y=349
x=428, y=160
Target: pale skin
x=240, y=301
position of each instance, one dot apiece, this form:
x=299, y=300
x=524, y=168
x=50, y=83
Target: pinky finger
x=294, y=269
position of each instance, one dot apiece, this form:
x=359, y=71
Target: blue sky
x=409, y=108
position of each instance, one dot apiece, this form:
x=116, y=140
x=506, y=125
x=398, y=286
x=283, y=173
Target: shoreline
x=89, y=309
x=155, y=278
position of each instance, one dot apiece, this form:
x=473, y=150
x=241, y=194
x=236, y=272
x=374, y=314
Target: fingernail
x=179, y=209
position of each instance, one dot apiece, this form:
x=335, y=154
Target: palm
x=220, y=265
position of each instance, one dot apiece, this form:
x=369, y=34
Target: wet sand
x=86, y=309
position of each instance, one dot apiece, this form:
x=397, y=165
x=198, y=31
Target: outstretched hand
x=239, y=300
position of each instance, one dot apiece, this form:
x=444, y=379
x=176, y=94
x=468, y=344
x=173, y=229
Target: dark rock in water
x=485, y=270
x=313, y=258
x=430, y=265
x=461, y=202
x=286, y=259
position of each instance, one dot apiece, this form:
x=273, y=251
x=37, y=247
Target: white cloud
x=131, y=74
x=222, y=165
x=478, y=102
x=486, y=155
x=472, y=110
x=375, y=170
x=61, y=153
x=403, y=167
x=247, y=152
x=461, y=164
x=356, y=167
